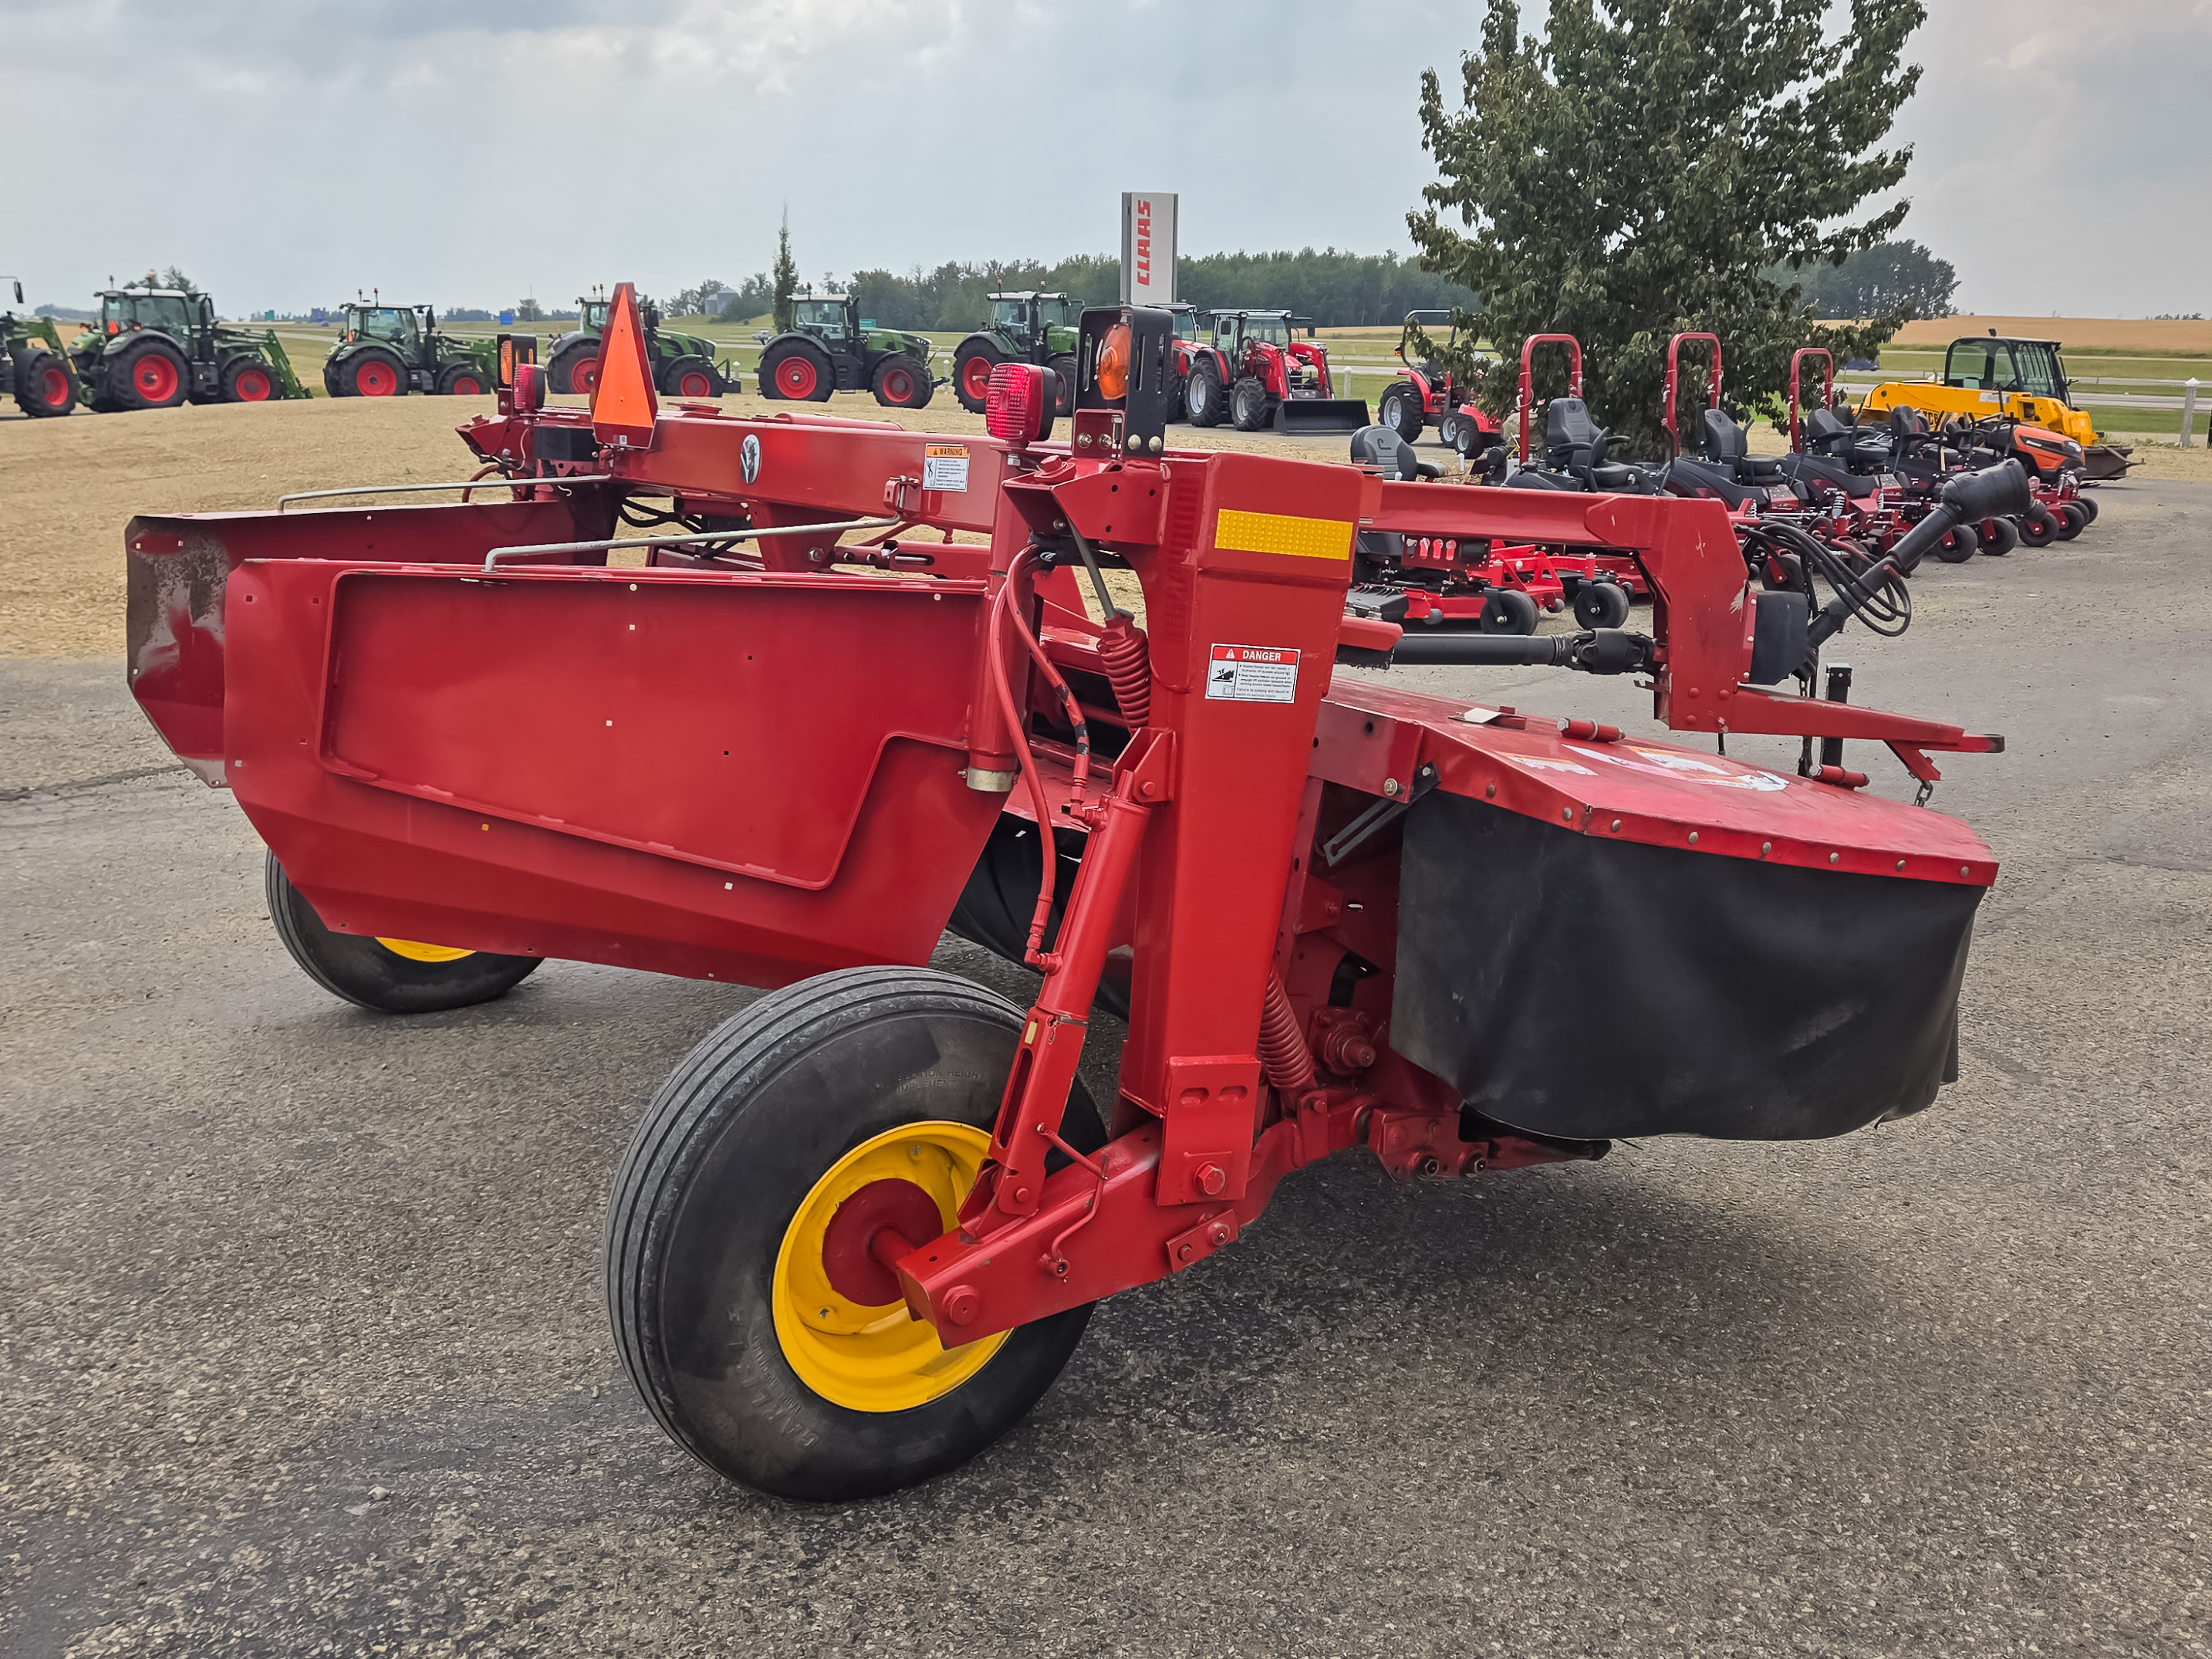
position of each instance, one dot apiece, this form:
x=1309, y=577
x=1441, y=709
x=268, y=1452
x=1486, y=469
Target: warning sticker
x=945, y=466
x=1253, y=673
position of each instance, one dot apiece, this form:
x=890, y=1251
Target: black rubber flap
x=1586, y=988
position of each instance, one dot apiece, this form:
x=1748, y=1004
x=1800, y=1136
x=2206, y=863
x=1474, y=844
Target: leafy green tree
x=786, y=275
x=1638, y=171
x=528, y=310
x=1875, y=282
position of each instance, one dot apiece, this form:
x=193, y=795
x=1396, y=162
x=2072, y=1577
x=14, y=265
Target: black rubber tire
x=364, y=972
x=451, y=377
x=825, y=375
x=1400, y=410
x=2088, y=505
x=349, y=371
x=331, y=379
x=1601, y=605
x=122, y=388
x=1177, y=393
x=562, y=363
x=2072, y=520
x=1064, y=366
x=1959, y=545
x=34, y=370
x=1508, y=610
x=1248, y=405
x=915, y=379
x=673, y=371
x=729, y=1148
x=1999, y=538
x=1204, y=399
x=969, y=351
x=2038, y=525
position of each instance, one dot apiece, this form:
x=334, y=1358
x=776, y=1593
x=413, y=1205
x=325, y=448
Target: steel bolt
x=1211, y=1178
x=1221, y=1235
x=1833, y=857
x=961, y=1304
x=1429, y=1165
x=1616, y=826
x=1693, y=838
x=1764, y=847
x=1182, y=1252
x=1490, y=793
x=1389, y=786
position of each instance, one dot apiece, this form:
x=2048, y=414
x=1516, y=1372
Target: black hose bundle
x=1887, y=608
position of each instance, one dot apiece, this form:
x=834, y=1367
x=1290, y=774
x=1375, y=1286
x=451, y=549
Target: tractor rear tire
x=574, y=368
x=1601, y=605
x=1508, y=610
x=2038, y=525
x=2072, y=520
x=462, y=380
x=691, y=376
x=372, y=371
x=151, y=375
x=44, y=385
x=799, y=372
x=1063, y=366
x=392, y=976
x=248, y=380
x=1204, y=400
x=1999, y=538
x=1247, y=403
x=971, y=374
x=902, y=383
x=852, y=1100
x=1400, y=410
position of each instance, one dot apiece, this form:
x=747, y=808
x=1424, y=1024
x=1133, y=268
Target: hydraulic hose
x=1994, y=492
x=1004, y=609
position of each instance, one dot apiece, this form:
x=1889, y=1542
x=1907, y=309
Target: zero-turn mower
x=860, y=1229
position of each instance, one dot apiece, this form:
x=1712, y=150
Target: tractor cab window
x=1269, y=330
x=1051, y=313
x=1981, y=366
x=595, y=313
x=164, y=311
x=1224, y=329
x=389, y=323
x=1186, y=325
x=115, y=314
x=823, y=317
x=1010, y=314
x=2040, y=375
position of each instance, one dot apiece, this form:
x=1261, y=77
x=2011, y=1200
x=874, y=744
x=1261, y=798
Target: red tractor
x=1428, y=395
x=1255, y=370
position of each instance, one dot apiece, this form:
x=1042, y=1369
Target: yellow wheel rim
x=876, y=1357
x=415, y=952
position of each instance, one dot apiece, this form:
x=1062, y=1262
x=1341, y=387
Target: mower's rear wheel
x=44, y=386
x=1204, y=400
x=971, y=375
x=799, y=372
x=1063, y=367
x=1601, y=605
x=902, y=383
x=373, y=372
x=392, y=976
x=152, y=375
x=2072, y=520
x=691, y=376
x=2038, y=525
x=248, y=380
x=1400, y=410
x=749, y=1304
x=1247, y=403
x=462, y=380
x=1508, y=610
x=1999, y=538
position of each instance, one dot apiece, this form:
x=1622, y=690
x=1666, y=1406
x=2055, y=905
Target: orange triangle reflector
x=623, y=402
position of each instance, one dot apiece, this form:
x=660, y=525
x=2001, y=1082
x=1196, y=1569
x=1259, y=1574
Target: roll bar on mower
x=1527, y=384
x=1827, y=386
x=1674, y=380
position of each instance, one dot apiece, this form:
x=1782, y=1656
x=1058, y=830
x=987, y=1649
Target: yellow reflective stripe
x=1279, y=532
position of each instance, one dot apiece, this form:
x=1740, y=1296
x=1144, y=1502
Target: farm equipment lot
x=305, y=1340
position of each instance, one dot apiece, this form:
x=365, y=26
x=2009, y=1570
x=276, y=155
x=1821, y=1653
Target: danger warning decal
x=1253, y=673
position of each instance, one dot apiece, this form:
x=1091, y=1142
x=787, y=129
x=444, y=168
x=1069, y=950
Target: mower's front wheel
x=776, y=1173
x=392, y=976
x=2038, y=525
x=2072, y=520
x=2088, y=505
x=1999, y=538
x=1601, y=605
x=1508, y=610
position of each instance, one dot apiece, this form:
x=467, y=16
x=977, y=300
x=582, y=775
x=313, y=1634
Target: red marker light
x=1014, y=406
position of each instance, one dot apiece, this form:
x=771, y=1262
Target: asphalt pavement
x=303, y=1347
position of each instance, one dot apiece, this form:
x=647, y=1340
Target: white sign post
x=1148, y=247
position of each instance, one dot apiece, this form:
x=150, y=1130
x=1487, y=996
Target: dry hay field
x=2178, y=337
x=73, y=483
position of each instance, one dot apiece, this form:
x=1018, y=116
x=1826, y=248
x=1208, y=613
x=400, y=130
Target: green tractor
x=1025, y=328
x=832, y=347
x=388, y=351
x=684, y=365
x=155, y=348
x=34, y=368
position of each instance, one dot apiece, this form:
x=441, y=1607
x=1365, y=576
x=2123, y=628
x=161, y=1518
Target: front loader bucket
x=2101, y=461
x=1308, y=415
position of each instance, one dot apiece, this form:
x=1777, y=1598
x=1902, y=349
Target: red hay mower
x=860, y=1229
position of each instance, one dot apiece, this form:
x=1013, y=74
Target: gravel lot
x=303, y=1350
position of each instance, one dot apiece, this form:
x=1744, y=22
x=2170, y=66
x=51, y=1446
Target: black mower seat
x=1567, y=425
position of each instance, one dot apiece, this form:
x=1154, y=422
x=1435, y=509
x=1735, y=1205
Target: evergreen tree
x=786, y=275
x=1638, y=172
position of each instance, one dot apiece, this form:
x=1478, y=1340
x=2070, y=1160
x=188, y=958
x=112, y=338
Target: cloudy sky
x=466, y=151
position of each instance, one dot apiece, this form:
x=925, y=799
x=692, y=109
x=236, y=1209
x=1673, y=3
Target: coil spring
x=1283, y=1051
x=1128, y=662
